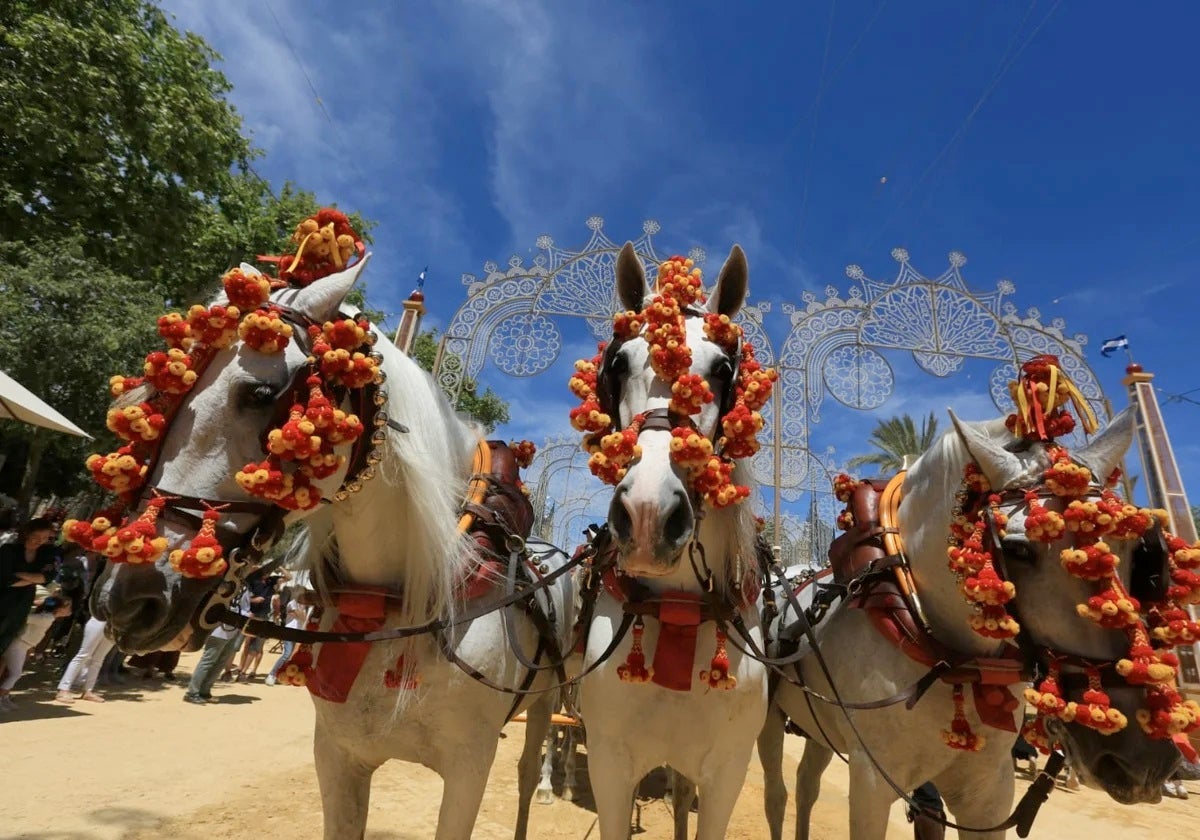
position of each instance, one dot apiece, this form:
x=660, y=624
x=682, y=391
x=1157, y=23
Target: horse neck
x=400, y=530
x=925, y=513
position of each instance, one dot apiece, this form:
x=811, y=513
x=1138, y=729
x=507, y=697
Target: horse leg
x=545, y=788
x=570, y=735
x=464, y=779
x=537, y=724
x=345, y=783
x=719, y=793
x=613, y=783
x=978, y=799
x=682, y=795
x=870, y=800
x=770, y=755
x=808, y=783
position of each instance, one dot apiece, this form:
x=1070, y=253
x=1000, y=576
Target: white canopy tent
x=19, y=403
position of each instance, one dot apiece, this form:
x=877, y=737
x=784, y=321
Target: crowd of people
x=44, y=617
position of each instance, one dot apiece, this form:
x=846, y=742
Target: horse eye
x=256, y=395
x=722, y=370
x=1019, y=550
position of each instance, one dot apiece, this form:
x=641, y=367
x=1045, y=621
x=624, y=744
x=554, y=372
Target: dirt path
x=146, y=765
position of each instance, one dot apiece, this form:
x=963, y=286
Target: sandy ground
x=146, y=765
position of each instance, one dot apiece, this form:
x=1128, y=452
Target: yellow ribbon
x=326, y=233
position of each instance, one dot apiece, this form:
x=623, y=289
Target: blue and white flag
x=1112, y=344
x=421, y=278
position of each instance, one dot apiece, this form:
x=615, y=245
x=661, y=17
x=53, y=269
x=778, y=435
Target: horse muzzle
x=145, y=610
x=1127, y=765
x=650, y=533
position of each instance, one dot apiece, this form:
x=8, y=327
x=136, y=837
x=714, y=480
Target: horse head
x=215, y=430
x=1081, y=625
x=654, y=511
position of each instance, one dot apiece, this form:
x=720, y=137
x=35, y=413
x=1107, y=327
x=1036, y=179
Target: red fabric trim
x=675, y=652
x=990, y=677
x=337, y=666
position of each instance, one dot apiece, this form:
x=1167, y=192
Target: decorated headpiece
x=662, y=324
x=1092, y=516
x=298, y=452
x=1041, y=394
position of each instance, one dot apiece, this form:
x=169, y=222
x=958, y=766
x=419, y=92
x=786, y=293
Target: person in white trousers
x=13, y=657
x=91, y=655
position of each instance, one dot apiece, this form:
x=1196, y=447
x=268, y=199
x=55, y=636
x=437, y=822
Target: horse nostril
x=678, y=525
x=618, y=516
x=142, y=615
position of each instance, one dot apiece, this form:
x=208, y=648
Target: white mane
x=406, y=516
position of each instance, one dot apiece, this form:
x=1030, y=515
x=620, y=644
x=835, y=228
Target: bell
x=374, y=457
x=354, y=486
x=371, y=337
x=379, y=437
x=381, y=419
x=376, y=357
x=367, y=473
x=380, y=378
x=381, y=398
x=341, y=496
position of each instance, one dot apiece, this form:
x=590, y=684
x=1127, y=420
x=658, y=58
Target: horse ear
x=730, y=292
x=631, y=279
x=998, y=464
x=321, y=300
x=1105, y=451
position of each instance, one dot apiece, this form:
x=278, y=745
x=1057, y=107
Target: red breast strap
x=675, y=652
x=338, y=666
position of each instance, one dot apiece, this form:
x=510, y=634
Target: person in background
x=44, y=614
x=146, y=664
x=261, y=588
x=90, y=658
x=219, y=649
x=25, y=563
x=295, y=616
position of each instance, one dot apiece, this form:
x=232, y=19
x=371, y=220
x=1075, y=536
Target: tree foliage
x=487, y=409
x=116, y=128
x=895, y=439
x=125, y=190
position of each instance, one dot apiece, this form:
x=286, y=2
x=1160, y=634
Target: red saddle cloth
x=338, y=665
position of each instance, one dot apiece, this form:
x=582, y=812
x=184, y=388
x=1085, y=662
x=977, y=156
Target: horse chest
x=661, y=725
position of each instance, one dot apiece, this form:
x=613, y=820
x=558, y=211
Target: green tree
x=487, y=409
x=125, y=190
x=896, y=439
x=65, y=321
x=117, y=129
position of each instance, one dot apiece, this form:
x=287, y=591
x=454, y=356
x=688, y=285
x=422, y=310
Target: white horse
x=977, y=786
x=399, y=533
x=705, y=734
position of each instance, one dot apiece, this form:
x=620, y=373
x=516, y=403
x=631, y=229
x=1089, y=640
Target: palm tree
x=897, y=440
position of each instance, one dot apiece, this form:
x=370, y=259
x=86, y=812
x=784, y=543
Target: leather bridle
x=1147, y=585
x=367, y=402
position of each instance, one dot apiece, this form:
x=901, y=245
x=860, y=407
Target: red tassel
x=1096, y=711
x=635, y=670
x=717, y=675
x=959, y=736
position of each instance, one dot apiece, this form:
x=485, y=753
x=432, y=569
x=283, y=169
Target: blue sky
x=1051, y=142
